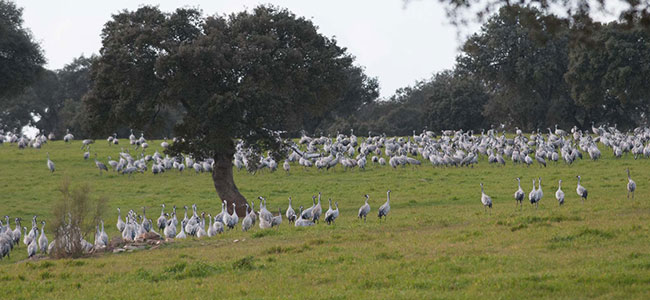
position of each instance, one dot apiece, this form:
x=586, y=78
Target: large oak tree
x=245, y=76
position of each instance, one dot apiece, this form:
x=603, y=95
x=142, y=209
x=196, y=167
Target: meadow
x=436, y=243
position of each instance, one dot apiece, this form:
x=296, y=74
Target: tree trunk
x=225, y=184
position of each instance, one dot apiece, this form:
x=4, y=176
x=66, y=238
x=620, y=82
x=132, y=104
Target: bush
x=75, y=216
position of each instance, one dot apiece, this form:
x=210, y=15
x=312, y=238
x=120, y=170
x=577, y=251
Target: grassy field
x=436, y=243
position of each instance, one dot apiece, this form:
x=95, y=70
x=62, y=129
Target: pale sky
x=397, y=44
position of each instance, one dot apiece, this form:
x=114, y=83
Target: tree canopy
x=21, y=61
x=247, y=76
x=629, y=11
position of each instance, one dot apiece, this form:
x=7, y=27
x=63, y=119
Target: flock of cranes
x=450, y=148
x=536, y=194
x=34, y=240
x=169, y=225
x=197, y=225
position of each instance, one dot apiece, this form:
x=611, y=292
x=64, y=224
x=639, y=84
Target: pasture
x=436, y=243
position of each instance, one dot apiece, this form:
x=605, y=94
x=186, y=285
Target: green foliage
x=522, y=61
x=21, y=57
x=456, y=102
x=630, y=12
x=245, y=264
x=610, y=74
x=240, y=76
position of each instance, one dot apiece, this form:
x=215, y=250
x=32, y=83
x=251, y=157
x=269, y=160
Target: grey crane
x=120, y=224
x=331, y=215
x=50, y=164
x=200, y=227
x=385, y=208
x=277, y=220
x=211, y=230
x=308, y=213
x=170, y=228
x=42, y=240
x=218, y=226
x=291, y=214
x=581, y=190
x=225, y=218
x=8, y=232
x=559, y=194
x=5, y=247
x=17, y=232
x=234, y=219
x=265, y=214
x=162, y=220
x=631, y=185
x=103, y=235
x=174, y=219
x=87, y=154
x=364, y=209
x=329, y=210
x=519, y=194
x=32, y=248
x=100, y=165
x=532, y=196
x=247, y=223
x=146, y=223
x=300, y=222
x=540, y=193
x=318, y=210
x=182, y=234
x=485, y=199
x=286, y=166
x=252, y=213
x=32, y=234
x=540, y=160
x=219, y=217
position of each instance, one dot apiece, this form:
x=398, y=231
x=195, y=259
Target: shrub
x=75, y=216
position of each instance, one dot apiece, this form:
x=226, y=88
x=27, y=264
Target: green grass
x=436, y=243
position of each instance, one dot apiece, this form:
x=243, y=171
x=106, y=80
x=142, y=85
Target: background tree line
x=524, y=68
x=528, y=70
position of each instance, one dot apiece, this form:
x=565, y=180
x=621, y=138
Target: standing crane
x=519, y=194
x=50, y=164
x=331, y=216
x=559, y=194
x=532, y=196
x=385, y=208
x=100, y=165
x=291, y=214
x=485, y=199
x=364, y=209
x=631, y=185
x=162, y=220
x=581, y=190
